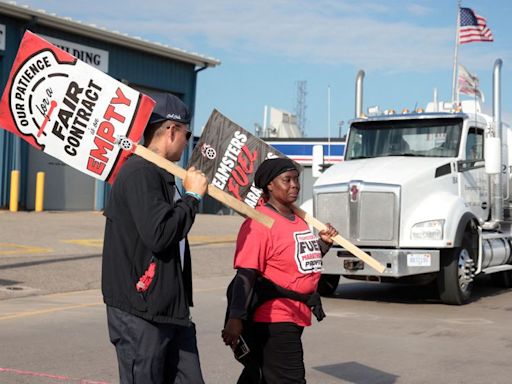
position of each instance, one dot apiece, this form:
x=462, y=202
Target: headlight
x=428, y=230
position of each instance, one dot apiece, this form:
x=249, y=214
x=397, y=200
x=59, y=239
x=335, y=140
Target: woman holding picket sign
x=278, y=270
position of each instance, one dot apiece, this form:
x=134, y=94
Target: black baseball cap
x=169, y=107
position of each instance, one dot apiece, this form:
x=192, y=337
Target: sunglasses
x=188, y=134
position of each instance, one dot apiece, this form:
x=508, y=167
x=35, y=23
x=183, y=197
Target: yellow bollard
x=39, y=191
x=15, y=191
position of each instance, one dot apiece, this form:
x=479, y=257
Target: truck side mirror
x=318, y=160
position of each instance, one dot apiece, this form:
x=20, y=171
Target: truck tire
x=455, y=279
x=328, y=284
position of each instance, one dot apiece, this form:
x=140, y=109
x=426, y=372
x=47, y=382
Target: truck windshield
x=438, y=137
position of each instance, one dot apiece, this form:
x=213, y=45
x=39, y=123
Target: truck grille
x=363, y=213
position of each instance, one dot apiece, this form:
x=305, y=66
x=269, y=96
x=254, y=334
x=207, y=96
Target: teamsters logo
x=307, y=252
x=208, y=151
x=71, y=113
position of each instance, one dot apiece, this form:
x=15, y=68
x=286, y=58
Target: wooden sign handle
x=216, y=193
x=338, y=239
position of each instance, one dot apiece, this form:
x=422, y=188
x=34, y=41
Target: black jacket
x=144, y=223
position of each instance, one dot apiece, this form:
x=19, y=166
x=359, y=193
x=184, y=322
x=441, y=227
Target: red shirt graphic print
x=307, y=252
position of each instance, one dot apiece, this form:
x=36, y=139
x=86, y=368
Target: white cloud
x=418, y=9
x=342, y=35
x=367, y=34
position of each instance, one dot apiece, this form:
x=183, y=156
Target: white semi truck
x=426, y=193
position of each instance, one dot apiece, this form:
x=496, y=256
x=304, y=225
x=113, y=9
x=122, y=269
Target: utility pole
x=340, y=126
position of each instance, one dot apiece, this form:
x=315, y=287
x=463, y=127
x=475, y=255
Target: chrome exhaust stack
x=359, y=94
x=497, y=182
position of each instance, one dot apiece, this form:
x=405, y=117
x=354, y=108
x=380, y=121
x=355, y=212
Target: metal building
x=143, y=65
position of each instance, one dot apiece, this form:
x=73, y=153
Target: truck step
x=497, y=268
x=495, y=235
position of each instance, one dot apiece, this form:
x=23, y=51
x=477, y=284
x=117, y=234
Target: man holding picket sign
x=146, y=275
x=80, y=115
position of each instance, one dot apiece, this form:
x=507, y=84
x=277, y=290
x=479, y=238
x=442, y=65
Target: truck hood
x=396, y=170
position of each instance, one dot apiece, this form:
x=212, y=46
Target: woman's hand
x=232, y=332
x=327, y=234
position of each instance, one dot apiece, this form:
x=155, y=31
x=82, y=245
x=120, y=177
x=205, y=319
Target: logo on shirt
x=307, y=252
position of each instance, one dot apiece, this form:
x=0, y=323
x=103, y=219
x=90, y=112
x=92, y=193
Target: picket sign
x=213, y=191
x=338, y=239
x=70, y=110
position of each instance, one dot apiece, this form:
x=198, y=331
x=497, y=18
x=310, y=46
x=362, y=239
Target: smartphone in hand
x=241, y=349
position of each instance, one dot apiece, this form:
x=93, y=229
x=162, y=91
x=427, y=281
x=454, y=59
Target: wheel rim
x=465, y=270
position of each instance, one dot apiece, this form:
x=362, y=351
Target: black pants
x=152, y=353
x=278, y=349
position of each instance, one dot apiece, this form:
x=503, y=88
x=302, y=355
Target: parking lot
x=53, y=324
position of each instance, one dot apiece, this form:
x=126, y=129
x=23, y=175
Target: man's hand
x=195, y=181
x=327, y=234
x=232, y=332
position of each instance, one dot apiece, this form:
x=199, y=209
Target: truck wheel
x=328, y=284
x=455, y=279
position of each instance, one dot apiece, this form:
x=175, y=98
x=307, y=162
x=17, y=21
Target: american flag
x=473, y=27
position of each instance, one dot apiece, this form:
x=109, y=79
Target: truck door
x=474, y=180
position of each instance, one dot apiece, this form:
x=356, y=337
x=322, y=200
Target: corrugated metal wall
x=13, y=149
x=136, y=68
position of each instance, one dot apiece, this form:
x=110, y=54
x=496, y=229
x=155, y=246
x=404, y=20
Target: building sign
x=98, y=58
x=2, y=37
x=71, y=110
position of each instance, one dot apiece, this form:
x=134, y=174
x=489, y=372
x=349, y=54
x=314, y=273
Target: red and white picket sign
x=71, y=110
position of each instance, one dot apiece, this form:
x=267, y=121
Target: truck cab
x=414, y=193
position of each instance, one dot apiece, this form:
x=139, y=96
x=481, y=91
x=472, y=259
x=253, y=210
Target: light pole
x=340, y=125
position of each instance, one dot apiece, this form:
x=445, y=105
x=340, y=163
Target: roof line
x=69, y=25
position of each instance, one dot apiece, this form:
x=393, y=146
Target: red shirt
x=287, y=254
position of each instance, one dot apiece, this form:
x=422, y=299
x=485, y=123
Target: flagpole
x=455, y=94
x=329, y=121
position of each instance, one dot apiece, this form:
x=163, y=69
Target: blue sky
x=405, y=48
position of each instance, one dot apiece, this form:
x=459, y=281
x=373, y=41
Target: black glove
x=315, y=303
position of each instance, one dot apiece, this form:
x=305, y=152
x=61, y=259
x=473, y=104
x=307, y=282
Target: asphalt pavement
x=53, y=323
x=60, y=251
x=52, y=317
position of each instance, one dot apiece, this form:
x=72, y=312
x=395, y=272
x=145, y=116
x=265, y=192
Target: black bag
x=245, y=352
